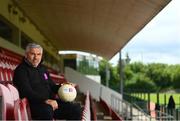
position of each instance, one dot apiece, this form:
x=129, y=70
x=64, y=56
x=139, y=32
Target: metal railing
x=128, y=110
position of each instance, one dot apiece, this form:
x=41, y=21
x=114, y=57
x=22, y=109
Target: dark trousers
x=66, y=110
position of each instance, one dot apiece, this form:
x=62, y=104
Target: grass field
x=163, y=97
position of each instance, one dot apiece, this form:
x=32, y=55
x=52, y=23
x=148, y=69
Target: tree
x=153, y=77
x=176, y=77
x=140, y=83
x=138, y=67
x=159, y=74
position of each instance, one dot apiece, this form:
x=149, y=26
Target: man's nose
x=35, y=56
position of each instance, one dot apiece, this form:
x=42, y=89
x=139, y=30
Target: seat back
x=19, y=111
x=1, y=72
x=26, y=108
x=22, y=110
x=21, y=106
x=14, y=92
x=86, y=113
x=7, y=103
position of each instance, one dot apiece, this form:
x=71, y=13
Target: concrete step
x=107, y=118
x=100, y=115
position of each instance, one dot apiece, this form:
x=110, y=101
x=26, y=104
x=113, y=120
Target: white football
x=67, y=93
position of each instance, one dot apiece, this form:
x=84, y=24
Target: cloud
x=159, y=41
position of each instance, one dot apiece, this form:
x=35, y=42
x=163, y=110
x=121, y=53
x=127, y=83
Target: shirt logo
x=45, y=76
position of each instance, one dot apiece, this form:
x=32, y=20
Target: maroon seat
x=86, y=114
x=14, y=92
x=22, y=110
x=7, y=103
x=21, y=107
x=1, y=72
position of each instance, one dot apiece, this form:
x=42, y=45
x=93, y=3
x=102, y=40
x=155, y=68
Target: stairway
x=101, y=113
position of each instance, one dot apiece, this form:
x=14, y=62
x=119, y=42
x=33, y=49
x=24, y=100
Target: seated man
x=33, y=82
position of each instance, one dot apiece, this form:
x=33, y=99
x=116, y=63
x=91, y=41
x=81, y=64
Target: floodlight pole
x=121, y=74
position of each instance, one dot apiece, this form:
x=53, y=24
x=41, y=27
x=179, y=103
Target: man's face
x=34, y=56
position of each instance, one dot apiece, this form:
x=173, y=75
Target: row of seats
x=12, y=107
x=7, y=66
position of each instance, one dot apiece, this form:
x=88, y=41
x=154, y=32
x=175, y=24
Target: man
x=33, y=82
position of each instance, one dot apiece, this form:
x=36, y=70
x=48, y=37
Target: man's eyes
x=36, y=54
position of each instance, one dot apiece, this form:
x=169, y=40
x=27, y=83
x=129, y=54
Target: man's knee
x=44, y=112
x=48, y=112
x=76, y=111
x=69, y=111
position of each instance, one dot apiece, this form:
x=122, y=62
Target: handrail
x=128, y=110
x=142, y=111
x=163, y=115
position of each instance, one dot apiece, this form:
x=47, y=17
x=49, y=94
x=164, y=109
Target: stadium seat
x=19, y=113
x=86, y=114
x=14, y=92
x=7, y=104
x=21, y=106
x=1, y=72
x=22, y=110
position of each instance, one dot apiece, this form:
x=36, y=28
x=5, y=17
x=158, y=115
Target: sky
x=158, y=41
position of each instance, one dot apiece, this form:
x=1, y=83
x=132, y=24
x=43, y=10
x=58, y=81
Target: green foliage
x=140, y=83
x=141, y=77
x=114, y=82
x=176, y=77
x=159, y=74
x=137, y=67
x=128, y=73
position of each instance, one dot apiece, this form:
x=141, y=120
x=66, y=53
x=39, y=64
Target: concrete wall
x=96, y=90
x=7, y=8
x=96, y=78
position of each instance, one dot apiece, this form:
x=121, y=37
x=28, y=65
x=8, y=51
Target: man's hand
x=53, y=103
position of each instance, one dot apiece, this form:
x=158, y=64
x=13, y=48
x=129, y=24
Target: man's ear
x=42, y=59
